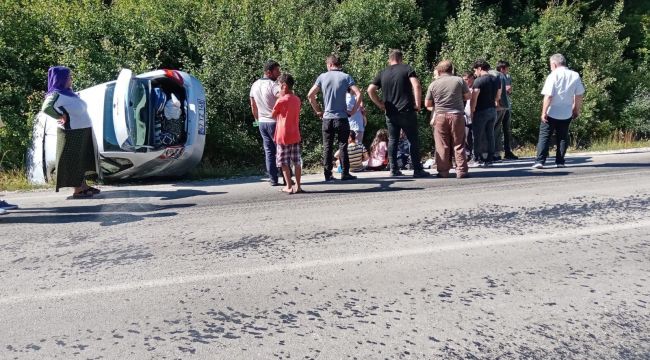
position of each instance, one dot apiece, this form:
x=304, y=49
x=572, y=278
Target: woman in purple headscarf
x=75, y=153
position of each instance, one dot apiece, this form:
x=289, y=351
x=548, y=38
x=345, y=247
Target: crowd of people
x=470, y=119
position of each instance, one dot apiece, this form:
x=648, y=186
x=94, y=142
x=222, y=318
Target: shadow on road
x=105, y=215
x=383, y=184
x=162, y=194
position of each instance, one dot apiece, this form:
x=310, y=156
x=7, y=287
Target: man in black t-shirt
x=486, y=94
x=402, y=99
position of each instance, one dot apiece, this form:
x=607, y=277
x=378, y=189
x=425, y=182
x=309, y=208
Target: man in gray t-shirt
x=335, y=84
x=446, y=98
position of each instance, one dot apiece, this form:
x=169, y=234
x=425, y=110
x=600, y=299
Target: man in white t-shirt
x=263, y=95
x=563, y=91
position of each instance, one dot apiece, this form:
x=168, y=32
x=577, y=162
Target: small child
x=287, y=133
x=403, y=152
x=378, y=151
x=356, y=153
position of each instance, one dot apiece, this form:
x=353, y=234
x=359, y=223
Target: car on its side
x=133, y=136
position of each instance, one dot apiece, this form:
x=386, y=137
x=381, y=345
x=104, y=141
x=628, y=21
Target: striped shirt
x=355, y=154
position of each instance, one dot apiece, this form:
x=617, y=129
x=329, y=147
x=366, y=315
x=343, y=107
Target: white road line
x=418, y=251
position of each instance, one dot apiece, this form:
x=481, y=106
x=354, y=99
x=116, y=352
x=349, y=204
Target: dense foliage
x=224, y=44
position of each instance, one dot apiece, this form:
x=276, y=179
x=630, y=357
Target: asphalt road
x=511, y=263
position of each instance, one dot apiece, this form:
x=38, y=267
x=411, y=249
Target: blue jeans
x=561, y=128
x=267, y=130
x=483, y=129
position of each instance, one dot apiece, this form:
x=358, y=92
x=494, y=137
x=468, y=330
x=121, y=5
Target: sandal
x=84, y=194
x=94, y=190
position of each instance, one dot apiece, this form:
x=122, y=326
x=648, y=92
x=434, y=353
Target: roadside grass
x=16, y=179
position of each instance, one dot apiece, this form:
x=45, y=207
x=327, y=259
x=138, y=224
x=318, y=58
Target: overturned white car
x=148, y=125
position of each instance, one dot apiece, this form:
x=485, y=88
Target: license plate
x=201, y=111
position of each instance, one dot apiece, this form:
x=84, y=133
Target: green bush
x=224, y=43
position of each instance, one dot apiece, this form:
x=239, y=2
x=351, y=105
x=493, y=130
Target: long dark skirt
x=75, y=156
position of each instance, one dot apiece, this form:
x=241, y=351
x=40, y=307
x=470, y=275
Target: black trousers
x=507, y=132
x=546, y=129
x=341, y=128
x=407, y=121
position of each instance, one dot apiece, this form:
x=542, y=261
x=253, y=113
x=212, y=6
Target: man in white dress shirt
x=563, y=92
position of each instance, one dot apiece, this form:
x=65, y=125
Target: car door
x=121, y=110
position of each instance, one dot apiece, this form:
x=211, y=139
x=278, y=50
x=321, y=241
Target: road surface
x=511, y=263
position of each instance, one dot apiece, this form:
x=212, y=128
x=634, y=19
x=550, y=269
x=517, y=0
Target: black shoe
x=488, y=164
x=329, y=178
x=346, y=177
x=497, y=158
x=396, y=173
x=420, y=174
x=511, y=156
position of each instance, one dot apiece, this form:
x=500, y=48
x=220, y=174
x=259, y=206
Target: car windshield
x=138, y=109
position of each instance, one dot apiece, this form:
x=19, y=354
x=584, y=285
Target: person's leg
x=543, y=142
x=562, y=135
x=469, y=141
x=267, y=130
x=457, y=125
x=441, y=134
x=328, y=142
x=478, y=129
x=498, y=132
x=342, y=127
x=492, y=118
x=394, y=128
x=507, y=135
x=410, y=126
x=296, y=159
x=285, y=171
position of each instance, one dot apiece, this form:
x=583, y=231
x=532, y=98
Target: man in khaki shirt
x=446, y=98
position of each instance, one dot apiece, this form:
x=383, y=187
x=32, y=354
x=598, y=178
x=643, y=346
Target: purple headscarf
x=57, y=78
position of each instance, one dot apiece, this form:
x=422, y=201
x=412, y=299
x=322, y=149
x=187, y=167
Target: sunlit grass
x=16, y=179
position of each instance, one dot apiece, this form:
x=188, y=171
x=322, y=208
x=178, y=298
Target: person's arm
x=577, y=105
x=497, y=100
x=277, y=109
x=313, y=102
x=372, y=92
x=474, y=99
x=359, y=100
x=254, y=108
x=49, y=109
x=363, y=113
x=428, y=103
x=545, y=105
x=417, y=92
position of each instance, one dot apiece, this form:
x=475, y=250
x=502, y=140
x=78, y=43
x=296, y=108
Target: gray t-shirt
x=265, y=92
x=334, y=85
x=447, y=94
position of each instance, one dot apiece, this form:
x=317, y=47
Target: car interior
x=166, y=132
